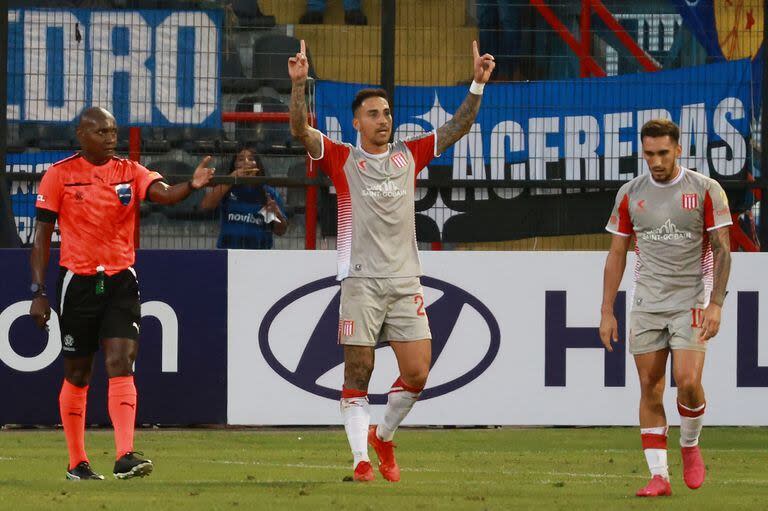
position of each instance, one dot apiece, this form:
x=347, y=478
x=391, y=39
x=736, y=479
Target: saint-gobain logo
x=321, y=352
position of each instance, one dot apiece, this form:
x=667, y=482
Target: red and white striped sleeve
x=717, y=213
x=620, y=222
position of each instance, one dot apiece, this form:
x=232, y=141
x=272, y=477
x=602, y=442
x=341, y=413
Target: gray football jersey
x=670, y=221
x=376, y=211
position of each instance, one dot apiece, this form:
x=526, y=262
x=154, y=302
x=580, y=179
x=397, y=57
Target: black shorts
x=86, y=317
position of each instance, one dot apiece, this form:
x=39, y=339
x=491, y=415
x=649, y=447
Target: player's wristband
x=476, y=88
x=191, y=186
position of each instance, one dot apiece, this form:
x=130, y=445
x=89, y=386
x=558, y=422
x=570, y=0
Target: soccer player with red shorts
x=378, y=262
x=94, y=195
x=680, y=220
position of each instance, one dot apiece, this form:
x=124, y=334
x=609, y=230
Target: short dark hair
x=364, y=94
x=660, y=128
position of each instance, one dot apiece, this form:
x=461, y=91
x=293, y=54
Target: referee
x=94, y=195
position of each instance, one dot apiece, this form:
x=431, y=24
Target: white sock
x=400, y=400
x=655, y=450
x=691, y=422
x=357, y=419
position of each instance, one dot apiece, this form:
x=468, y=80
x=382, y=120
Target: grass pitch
x=541, y=469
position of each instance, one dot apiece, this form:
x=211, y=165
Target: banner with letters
x=515, y=342
x=586, y=129
x=249, y=338
x=24, y=193
x=156, y=68
x=181, y=367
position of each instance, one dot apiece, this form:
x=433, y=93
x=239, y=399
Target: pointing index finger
x=303, y=47
x=475, y=50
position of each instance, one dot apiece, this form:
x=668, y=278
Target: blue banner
x=574, y=129
x=181, y=369
x=149, y=67
x=23, y=194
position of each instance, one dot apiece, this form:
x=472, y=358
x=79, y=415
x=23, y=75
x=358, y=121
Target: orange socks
x=72, y=408
x=122, y=411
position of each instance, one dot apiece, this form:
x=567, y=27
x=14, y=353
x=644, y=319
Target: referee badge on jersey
x=124, y=193
x=690, y=201
x=399, y=160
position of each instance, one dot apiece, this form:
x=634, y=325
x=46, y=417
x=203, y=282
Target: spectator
x=500, y=24
x=250, y=215
x=353, y=13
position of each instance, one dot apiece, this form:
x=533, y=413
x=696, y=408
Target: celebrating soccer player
x=680, y=222
x=94, y=196
x=378, y=262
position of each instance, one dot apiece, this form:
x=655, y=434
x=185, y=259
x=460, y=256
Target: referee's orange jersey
x=96, y=209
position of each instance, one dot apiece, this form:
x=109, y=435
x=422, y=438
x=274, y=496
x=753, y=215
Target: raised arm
x=721, y=252
x=612, y=274
x=162, y=193
x=462, y=120
x=298, y=70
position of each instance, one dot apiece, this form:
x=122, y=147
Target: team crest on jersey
x=399, y=160
x=124, y=193
x=690, y=201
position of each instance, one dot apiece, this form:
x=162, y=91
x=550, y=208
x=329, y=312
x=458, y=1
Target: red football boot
x=657, y=487
x=694, y=470
x=363, y=472
x=386, y=453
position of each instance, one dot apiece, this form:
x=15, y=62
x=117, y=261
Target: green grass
x=542, y=469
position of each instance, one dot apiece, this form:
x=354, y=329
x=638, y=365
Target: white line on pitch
x=588, y=475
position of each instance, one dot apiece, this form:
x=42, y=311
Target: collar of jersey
x=671, y=183
x=375, y=156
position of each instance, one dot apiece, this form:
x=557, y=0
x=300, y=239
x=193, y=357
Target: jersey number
x=419, y=301
x=697, y=317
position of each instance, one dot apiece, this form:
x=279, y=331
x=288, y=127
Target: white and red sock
x=357, y=419
x=400, y=400
x=655, y=450
x=691, y=422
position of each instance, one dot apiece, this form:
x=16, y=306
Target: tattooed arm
x=298, y=70
x=462, y=120
x=721, y=251
x=460, y=123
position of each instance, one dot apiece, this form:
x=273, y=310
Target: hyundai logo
x=322, y=354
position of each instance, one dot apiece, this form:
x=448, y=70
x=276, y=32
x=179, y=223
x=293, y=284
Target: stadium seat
x=270, y=57
x=20, y=137
x=201, y=140
x=153, y=140
x=176, y=171
x=233, y=78
x=57, y=137
x=249, y=14
x=123, y=138
x=271, y=138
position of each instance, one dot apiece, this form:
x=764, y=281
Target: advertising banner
x=515, y=342
x=181, y=367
